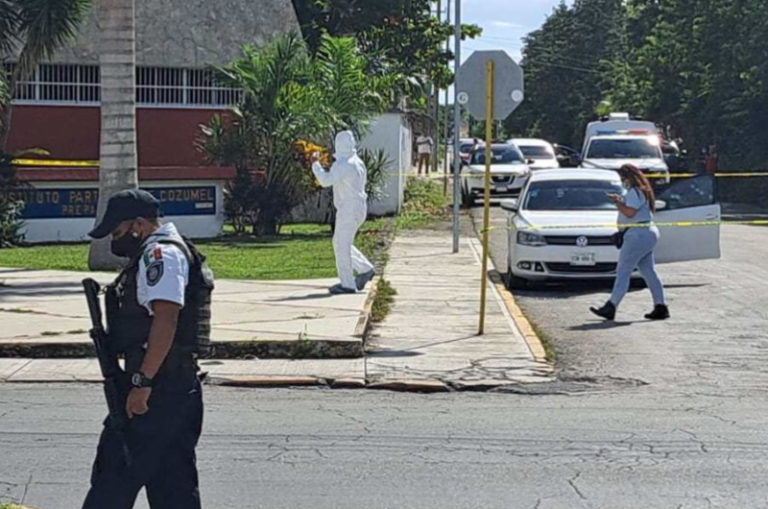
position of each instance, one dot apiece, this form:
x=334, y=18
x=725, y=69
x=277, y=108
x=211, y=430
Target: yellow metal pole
x=489, y=99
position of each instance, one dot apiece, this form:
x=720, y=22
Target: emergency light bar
x=641, y=132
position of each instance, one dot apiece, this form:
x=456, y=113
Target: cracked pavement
x=627, y=447
x=669, y=415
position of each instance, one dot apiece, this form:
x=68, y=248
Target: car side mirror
x=530, y=161
x=511, y=205
x=661, y=205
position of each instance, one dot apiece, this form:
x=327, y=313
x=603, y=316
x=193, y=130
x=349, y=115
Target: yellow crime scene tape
x=717, y=175
x=63, y=163
x=55, y=163
x=675, y=224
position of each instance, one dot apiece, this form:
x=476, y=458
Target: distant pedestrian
x=711, y=162
x=424, y=146
x=639, y=238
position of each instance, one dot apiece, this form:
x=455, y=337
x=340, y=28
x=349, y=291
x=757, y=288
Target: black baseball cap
x=125, y=205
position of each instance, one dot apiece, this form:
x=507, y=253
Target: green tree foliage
x=401, y=38
x=10, y=209
x=288, y=95
x=563, y=62
x=697, y=67
x=38, y=28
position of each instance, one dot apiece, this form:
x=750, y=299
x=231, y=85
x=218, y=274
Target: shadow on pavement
x=311, y=296
x=41, y=289
x=393, y=353
x=602, y=325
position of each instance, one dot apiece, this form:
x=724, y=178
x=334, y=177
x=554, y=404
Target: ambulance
x=616, y=140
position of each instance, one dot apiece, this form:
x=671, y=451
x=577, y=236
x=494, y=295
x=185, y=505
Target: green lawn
x=301, y=251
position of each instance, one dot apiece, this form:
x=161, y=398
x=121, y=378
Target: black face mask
x=126, y=246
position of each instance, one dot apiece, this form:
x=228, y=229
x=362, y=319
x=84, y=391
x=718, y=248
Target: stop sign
x=508, y=84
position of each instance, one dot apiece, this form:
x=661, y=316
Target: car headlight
x=531, y=239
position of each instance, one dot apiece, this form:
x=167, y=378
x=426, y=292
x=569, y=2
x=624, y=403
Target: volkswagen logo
x=582, y=241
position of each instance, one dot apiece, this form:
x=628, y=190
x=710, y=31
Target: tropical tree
x=565, y=62
x=118, y=158
x=401, y=39
x=32, y=30
x=289, y=95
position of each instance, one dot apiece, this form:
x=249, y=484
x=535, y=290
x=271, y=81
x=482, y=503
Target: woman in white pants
x=636, y=210
x=348, y=177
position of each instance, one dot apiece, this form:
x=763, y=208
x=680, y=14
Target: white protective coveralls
x=348, y=178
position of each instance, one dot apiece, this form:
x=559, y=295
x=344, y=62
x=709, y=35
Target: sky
x=504, y=23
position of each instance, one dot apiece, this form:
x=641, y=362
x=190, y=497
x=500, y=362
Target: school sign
x=81, y=202
x=65, y=212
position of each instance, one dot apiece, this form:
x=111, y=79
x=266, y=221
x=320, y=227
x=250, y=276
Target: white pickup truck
x=617, y=140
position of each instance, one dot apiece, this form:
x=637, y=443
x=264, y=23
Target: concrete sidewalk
x=44, y=314
x=428, y=342
x=431, y=332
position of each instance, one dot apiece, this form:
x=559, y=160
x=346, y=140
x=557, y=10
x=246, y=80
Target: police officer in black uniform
x=158, y=318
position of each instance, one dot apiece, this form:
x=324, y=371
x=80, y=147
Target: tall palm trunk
x=118, y=158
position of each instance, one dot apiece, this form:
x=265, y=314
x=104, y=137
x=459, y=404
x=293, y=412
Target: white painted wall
x=390, y=132
x=76, y=229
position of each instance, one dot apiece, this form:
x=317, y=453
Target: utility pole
x=436, y=105
x=445, y=112
x=457, y=131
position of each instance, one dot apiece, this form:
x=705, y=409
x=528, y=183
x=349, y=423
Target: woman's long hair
x=632, y=175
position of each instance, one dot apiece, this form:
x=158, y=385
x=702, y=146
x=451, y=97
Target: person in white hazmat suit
x=348, y=177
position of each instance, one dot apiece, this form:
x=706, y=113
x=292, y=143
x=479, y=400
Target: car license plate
x=583, y=259
x=501, y=188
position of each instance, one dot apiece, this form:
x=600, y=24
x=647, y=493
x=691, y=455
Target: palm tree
x=118, y=159
x=288, y=95
x=38, y=28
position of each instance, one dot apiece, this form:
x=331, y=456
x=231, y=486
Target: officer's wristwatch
x=139, y=380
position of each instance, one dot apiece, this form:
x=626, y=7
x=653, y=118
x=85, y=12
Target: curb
x=266, y=381
x=522, y=322
x=264, y=349
x=480, y=386
x=426, y=386
x=364, y=322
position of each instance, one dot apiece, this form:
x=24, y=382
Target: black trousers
x=161, y=448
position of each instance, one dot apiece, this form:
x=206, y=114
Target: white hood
x=614, y=164
x=578, y=222
x=345, y=146
x=517, y=170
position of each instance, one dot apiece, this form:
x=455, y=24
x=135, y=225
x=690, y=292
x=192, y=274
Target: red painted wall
x=166, y=137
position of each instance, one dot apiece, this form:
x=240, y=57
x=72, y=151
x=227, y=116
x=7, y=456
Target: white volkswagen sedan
x=508, y=173
x=562, y=226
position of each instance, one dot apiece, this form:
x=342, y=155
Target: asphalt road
x=645, y=415
x=716, y=342
x=607, y=447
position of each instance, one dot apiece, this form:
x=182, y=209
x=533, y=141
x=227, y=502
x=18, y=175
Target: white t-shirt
x=163, y=269
x=636, y=199
x=424, y=144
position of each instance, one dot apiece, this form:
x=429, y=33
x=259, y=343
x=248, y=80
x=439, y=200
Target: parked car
x=466, y=147
x=562, y=225
x=616, y=140
x=539, y=154
x=567, y=157
x=612, y=151
x=508, y=173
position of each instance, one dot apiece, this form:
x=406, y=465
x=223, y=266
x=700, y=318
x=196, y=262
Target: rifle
x=110, y=368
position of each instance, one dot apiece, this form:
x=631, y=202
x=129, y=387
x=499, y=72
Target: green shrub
x=10, y=210
x=424, y=204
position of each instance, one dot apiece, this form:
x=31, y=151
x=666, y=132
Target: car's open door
x=692, y=200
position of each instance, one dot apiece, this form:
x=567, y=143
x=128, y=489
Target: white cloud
x=506, y=24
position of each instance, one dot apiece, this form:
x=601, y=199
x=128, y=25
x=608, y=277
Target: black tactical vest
x=129, y=322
